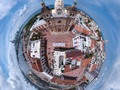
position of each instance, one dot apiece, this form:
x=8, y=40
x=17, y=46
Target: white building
x=80, y=22
x=58, y=57
x=81, y=42
x=47, y=76
x=35, y=49
x=44, y=76
x=93, y=25
x=59, y=10
x=38, y=23
x=88, y=41
x=78, y=43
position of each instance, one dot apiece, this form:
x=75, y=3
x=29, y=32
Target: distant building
x=93, y=25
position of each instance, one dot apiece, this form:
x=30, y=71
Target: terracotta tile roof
x=92, y=44
x=103, y=42
x=51, y=38
x=55, y=80
x=75, y=73
x=78, y=58
x=36, y=65
x=84, y=79
x=94, y=67
x=85, y=62
x=73, y=53
x=69, y=82
x=67, y=68
x=65, y=82
x=82, y=30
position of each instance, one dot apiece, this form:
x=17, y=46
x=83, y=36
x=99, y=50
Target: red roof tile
x=65, y=82
x=94, y=67
x=92, y=44
x=75, y=73
x=36, y=65
x=73, y=53
x=85, y=62
x=82, y=30
x=67, y=68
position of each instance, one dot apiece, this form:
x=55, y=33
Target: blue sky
x=13, y=13
x=7, y=9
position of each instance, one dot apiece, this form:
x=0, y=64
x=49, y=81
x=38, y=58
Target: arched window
x=59, y=30
x=59, y=21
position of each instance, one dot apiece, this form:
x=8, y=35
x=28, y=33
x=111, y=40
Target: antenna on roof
x=42, y=3
x=75, y=2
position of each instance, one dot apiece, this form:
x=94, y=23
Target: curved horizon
x=105, y=13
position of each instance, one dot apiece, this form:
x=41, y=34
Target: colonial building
x=60, y=19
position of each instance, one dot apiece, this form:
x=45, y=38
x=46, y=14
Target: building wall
x=35, y=49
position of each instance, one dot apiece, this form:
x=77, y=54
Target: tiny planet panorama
x=61, y=48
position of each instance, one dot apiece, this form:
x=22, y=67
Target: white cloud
x=5, y=7
x=16, y=80
x=23, y=10
x=114, y=12
x=10, y=83
x=113, y=80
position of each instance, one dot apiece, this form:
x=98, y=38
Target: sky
x=15, y=13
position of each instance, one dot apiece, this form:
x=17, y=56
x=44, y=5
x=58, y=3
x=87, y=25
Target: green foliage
x=31, y=22
x=35, y=37
x=90, y=55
